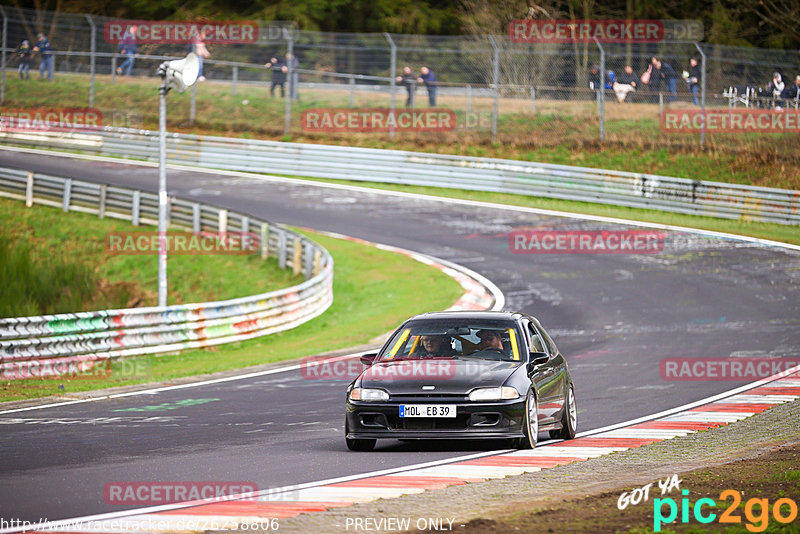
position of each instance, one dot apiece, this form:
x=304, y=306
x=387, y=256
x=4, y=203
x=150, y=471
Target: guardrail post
x=308, y=263
x=282, y=249
x=297, y=256
x=352, y=88
x=317, y=261
x=702, y=94
x=533, y=99
x=235, y=79
x=101, y=208
x=196, y=218
x=67, y=194
x=392, y=74
x=222, y=225
x=29, y=190
x=92, y=59
x=264, y=241
x=193, y=105
x=496, y=82
x=137, y=198
x=3, y=56
x=601, y=94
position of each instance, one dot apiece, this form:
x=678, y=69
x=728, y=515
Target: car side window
x=536, y=341
x=551, y=345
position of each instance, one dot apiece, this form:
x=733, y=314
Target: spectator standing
x=278, y=76
x=24, y=56
x=46, y=55
x=410, y=82
x=693, y=80
x=428, y=79
x=129, y=49
x=667, y=74
x=626, y=83
x=792, y=92
x=200, y=49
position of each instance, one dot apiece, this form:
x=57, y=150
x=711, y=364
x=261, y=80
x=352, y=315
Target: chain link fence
x=499, y=90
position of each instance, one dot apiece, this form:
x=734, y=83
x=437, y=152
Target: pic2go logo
x=756, y=511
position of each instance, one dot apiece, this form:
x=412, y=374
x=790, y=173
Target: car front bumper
x=381, y=420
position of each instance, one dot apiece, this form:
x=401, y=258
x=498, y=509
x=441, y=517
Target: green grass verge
x=374, y=290
x=564, y=132
x=126, y=280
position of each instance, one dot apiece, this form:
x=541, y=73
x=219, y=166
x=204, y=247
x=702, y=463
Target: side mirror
x=369, y=359
x=537, y=358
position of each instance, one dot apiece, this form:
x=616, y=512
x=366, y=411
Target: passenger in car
x=435, y=346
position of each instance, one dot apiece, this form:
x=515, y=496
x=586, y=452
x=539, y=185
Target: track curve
x=614, y=316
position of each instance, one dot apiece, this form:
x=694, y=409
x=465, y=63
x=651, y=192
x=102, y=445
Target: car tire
x=361, y=445
x=569, y=419
x=531, y=427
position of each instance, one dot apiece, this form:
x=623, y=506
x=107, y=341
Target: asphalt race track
x=615, y=317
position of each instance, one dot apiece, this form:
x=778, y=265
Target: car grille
x=418, y=423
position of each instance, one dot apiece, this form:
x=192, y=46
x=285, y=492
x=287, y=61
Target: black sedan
x=449, y=375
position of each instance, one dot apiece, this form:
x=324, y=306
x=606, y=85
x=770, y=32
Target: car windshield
x=490, y=340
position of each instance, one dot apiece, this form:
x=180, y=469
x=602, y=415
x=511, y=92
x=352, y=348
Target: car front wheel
x=362, y=445
x=531, y=427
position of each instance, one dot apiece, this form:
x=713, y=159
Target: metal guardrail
x=636, y=190
x=80, y=338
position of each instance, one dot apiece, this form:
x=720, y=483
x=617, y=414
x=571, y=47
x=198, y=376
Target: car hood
x=448, y=376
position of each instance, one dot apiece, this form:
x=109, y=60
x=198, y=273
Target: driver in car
x=490, y=339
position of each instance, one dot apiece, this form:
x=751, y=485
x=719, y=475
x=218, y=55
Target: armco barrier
x=75, y=338
x=629, y=189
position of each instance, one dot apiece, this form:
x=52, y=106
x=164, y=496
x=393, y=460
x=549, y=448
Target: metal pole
x=602, y=91
x=533, y=99
x=162, y=193
x=3, y=60
x=114, y=68
x=287, y=116
x=496, y=81
x=235, y=79
x=352, y=88
x=702, y=95
x=193, y=105
x=469, y=99
x=392, y=74
x=92, y=59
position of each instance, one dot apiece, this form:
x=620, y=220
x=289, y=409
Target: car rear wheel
x=531, y=427
x=569, y=419
x=362, y=445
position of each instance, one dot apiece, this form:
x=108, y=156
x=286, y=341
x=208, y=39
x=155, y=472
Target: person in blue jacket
x=129, y=49
x=46, y=54
x=427, y=78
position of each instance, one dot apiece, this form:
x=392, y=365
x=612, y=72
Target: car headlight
x=367, y=394
x=491, y=394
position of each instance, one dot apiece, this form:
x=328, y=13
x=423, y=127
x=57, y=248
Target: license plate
x=427, y=410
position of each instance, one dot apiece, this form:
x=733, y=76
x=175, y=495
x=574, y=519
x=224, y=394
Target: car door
x=545, y=376
x=556, y=370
